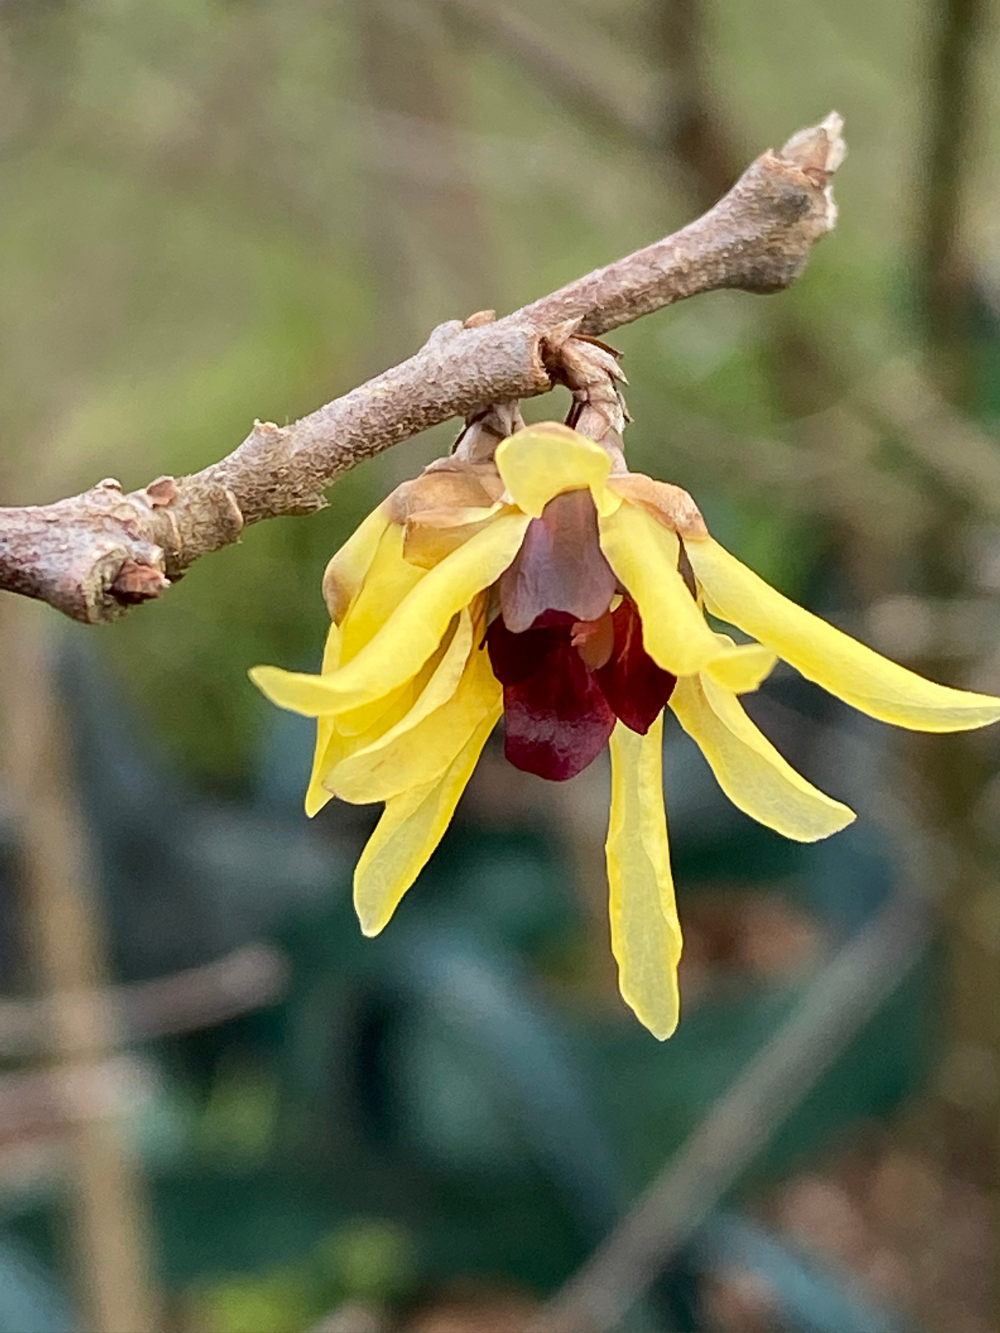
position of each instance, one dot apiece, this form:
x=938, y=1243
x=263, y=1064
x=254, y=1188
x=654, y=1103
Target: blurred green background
x=219, y=211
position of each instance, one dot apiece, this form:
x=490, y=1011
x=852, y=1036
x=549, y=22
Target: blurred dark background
x=221, y=1109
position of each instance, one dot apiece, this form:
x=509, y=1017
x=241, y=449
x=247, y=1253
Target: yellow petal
x=372, y=600
x=644, y=554
x=849, y=670
x=405, y=837
x=316, y=794
x=404, y=643
x=357, y=721
x=645, y=931
x=332, y=650
x=298, y=691
x=335, y=742
x=417, y=750
x=347, y=569
x=540, y=462
x=749, y=769
x=389, y=579
x=741, y=669
x=317, y=696
x=361, y=725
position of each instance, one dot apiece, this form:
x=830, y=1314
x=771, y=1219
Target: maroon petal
x=560, y=566
x=594, y=640
x=514, y=657
x=634, y=686
x=557, y=721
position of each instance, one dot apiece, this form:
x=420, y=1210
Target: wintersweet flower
x=552, y=586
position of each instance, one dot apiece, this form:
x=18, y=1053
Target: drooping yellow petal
x=749, y=769
x=643, y=554
x=331, y=650
x=425, y=743
x=403, y=644
x=389, y=579
x=298, y=691
x=315, y=696
x=317, y=797
x=540, y=462
x=357, y=721
x=645, y=930
x=742, y=669
x=411, y=827
x=842, y=665
x=316, y=794
x=371, y=559
x=359, y=726
x=334, y=742
x=347, y=569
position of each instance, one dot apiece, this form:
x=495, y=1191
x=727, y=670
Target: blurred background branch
x=249, y=978
x=946, y=263
x=108, y=1207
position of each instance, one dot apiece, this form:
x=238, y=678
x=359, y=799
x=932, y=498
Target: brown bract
x=94, y=555
x=670, y=504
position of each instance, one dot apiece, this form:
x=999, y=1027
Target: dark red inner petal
x=594, y=640
x=634, y=686
x=558, y=712
x=560, y=566
x=557, y=721
x=515, y=657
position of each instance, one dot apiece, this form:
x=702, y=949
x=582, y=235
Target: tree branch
x=93, y=555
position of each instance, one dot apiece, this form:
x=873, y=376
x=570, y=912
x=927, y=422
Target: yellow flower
x=555, y=587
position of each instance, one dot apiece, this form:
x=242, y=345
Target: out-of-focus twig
x=354, y=1317
x=94, y=555
x=693, y=129
x=585, y=92
x=247, y=979
x=54, y=1099
x=409, y=73
x=698, y=134
x=944, y=261
x=953, y=447
x=770, y=1087
x=110, y=1228
x=957, y=776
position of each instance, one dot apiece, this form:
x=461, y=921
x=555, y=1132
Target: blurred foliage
x=369, y=1260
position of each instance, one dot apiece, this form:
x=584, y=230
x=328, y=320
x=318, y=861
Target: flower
x=553, y=586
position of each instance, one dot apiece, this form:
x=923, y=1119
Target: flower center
x=566, y=682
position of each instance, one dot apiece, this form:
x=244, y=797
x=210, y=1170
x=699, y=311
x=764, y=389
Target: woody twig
x=94, y=555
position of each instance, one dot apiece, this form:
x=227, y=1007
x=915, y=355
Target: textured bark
x=94, y=555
